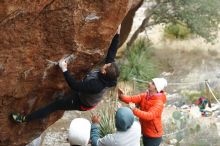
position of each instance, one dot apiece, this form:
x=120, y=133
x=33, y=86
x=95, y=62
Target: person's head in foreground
x=79, y=132
x=124, y=119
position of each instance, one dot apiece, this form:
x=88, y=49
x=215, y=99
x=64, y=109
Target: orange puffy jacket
x=151, y=108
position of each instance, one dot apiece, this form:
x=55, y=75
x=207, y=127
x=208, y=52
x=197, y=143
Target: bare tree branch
x=145, y=23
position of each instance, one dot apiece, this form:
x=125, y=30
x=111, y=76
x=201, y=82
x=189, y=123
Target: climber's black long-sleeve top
x=94, y=82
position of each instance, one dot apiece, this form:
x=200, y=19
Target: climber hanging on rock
x=86, y=93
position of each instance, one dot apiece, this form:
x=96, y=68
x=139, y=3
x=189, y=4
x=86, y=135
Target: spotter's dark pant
x=148, y=141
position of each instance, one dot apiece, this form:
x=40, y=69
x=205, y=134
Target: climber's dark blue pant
x=69, y=102
x=152, y=141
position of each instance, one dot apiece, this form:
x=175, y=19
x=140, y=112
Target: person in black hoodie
x=85, y=93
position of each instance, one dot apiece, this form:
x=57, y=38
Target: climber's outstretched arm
x=113, y=48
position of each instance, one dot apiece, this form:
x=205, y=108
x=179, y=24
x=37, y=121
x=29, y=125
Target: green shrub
x=176, y=31
x=192, y=96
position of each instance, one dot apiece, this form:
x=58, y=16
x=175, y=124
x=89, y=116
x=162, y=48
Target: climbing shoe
x=18, y=117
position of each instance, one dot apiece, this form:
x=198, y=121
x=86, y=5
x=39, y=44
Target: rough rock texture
x=35, y=31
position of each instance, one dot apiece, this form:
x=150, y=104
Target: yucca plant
x=107, y=114
x=107, y=124
x=138, y=63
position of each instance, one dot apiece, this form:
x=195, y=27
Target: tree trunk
x=145, y=23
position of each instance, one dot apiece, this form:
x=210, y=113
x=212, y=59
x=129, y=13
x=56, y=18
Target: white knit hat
x=160, y=83
x=79, y=132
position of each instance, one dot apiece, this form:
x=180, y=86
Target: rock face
x=34, y=33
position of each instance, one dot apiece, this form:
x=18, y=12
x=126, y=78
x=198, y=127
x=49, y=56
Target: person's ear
x=103, y=71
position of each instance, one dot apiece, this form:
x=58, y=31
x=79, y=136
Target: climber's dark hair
x=112, y=71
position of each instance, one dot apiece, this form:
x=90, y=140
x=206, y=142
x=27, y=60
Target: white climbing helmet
x=160, y=83
x=79, y=132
